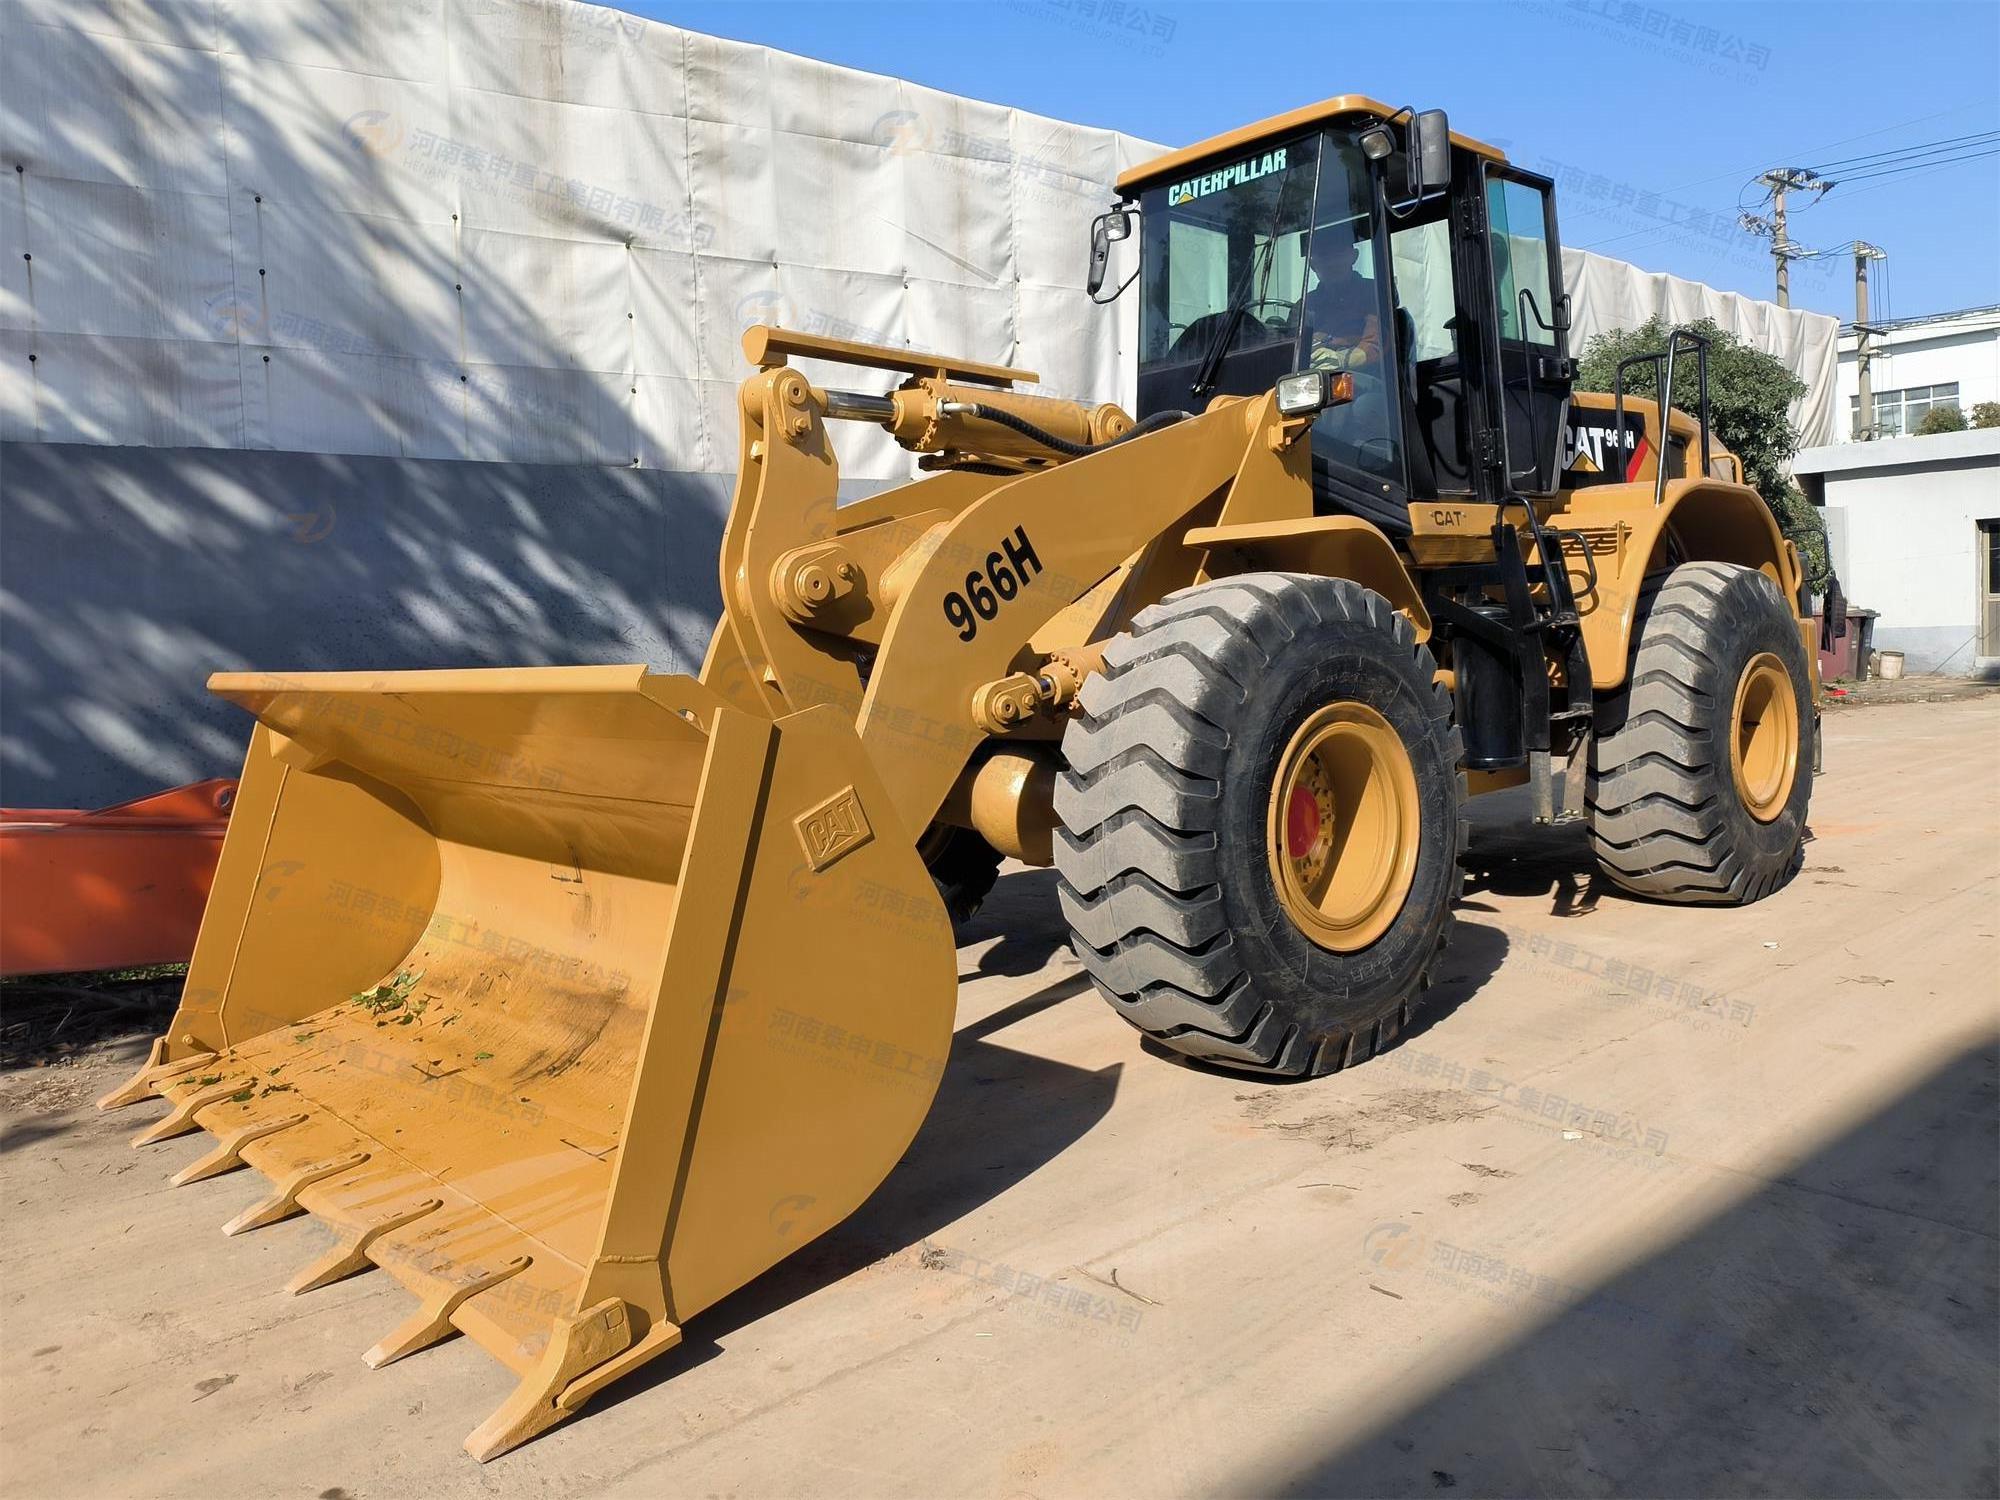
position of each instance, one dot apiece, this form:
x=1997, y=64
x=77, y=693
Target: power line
x=1643, y=229
x=1868, y=158
x=1907, y=167
x=1885, y=169
x=1654, y=232
x=1649, y=229
x=1826, y=175
x=1892, y=164
x=1896, y=181
x=1828, y=145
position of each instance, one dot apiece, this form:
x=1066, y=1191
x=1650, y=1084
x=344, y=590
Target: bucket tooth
x=153, y=1072
x=350, y=1256
x=180, y=1119
x=431, y=1322
x=228, y=1153
x=584, y=1354
x=284, y=1201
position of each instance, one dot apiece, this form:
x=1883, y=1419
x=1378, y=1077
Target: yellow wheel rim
x=1764, y=738
x=1344, y=826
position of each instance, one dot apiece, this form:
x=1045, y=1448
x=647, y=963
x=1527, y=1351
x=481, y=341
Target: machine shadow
x=1507, y=855
x=1831, y=1333
x=999, y=1116
x=29, y=1132
x=1023, y=914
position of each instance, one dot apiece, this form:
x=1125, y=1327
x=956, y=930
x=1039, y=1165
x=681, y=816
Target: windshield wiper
x=1204, y=376
x=1211, y=361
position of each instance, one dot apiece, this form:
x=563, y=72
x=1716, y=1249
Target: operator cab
x=1354, y=238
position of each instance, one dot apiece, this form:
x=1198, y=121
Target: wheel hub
x=1344, y=826
x=1764, y=737
x=1302, y=823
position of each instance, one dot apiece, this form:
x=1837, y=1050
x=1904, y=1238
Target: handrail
x=767, y=347
x=1677, y=337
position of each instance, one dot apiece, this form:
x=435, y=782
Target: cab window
x=1347, y=327
x=1517, y=224
x=1530, y=361
x=1432, y=364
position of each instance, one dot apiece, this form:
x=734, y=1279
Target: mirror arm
x=1117, y=292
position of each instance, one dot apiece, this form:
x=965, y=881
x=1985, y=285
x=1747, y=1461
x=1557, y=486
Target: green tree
x=1941, y=419
x=1986, y=414
x=1750, y=394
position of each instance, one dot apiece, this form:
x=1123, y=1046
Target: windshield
x=1264, y=264
x=1224, y=272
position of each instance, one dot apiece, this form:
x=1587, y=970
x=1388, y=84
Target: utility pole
x=1779, y=182
x=1864, y=412
x=1782, y=180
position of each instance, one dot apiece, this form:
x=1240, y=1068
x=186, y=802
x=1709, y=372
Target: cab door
x=1531, y=323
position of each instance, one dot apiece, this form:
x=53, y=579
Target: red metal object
x=111, y=889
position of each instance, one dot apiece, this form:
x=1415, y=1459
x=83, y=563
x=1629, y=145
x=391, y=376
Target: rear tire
x=1171, y=851
x=1701, y=767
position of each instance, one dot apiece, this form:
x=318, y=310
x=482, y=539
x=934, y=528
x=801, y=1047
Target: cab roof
x=1147, y=173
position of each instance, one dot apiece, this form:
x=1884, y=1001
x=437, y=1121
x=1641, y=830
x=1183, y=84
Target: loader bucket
x=574, y=998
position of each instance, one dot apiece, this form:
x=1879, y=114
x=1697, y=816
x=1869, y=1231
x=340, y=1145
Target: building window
x=1897, y=413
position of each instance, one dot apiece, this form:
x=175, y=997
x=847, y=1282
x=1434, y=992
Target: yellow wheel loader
x=575, y=998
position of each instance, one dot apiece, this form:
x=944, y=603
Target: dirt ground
x=1918, y=687
x=1659, y=1201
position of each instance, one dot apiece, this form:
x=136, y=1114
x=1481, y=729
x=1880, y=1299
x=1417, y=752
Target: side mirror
x=1429, y=154
x=1115, y=224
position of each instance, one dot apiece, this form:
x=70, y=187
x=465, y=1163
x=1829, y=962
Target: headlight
x=1302, y=393
x=1309, y=391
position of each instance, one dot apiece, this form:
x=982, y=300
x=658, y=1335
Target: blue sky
x=1653, y=116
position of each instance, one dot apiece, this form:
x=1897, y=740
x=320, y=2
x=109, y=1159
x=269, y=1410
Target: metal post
x=1864, y=354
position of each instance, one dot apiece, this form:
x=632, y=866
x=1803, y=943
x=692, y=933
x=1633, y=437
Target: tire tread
x=1138, y=807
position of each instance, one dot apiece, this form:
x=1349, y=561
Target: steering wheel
x=1195, y=339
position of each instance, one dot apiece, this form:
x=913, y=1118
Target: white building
x=1915, y=521
x=1915, y=526
x=1947, y=359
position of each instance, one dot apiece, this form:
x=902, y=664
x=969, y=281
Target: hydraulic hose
x=1036, y=434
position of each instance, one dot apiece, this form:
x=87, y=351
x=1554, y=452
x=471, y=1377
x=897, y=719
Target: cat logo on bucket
x=836, y=827
x=1248, y=170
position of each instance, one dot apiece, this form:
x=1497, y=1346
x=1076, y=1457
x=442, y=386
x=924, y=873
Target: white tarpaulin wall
x=500, y=229
x=1607, y=294
x=533, y=230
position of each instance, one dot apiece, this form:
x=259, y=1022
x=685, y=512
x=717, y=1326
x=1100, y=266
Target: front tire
x=1701, y=766
x=1260, y=823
